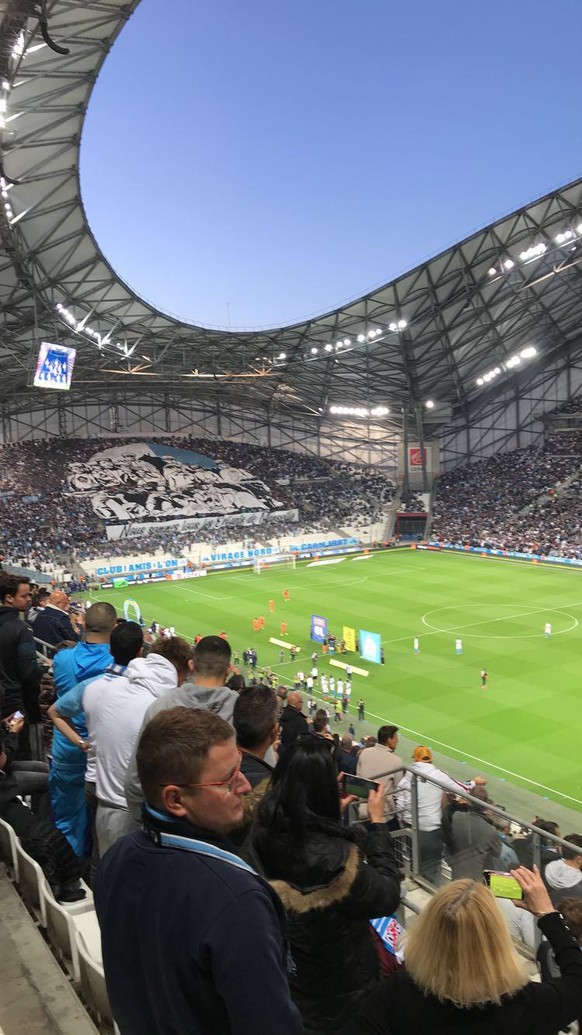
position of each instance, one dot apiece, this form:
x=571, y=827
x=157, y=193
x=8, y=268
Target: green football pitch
x=526, y=726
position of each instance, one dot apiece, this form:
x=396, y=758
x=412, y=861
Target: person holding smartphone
x=463, y=973
x=330, y=881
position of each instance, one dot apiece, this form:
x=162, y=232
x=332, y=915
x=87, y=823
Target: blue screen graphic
x=370, y=646
x=318, y=628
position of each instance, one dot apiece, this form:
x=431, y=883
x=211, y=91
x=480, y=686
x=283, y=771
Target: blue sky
x=251, y=163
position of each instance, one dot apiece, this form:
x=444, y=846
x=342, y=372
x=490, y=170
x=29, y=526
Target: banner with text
x=318, y=628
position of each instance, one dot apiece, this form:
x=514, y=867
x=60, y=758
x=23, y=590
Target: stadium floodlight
x=402, y=325
x=528, y=352
x=566, y=235
x=393, y=327
x=371, y=334
x=492, y=271
x=282, y=355
x=329, y=347
x=534, y=252
x=429, y=404
x=346, y=342
x=314, y=351
x=361, y=338
x=579, y=228
x=480, y=381
x=5, y=84
x=508, y=264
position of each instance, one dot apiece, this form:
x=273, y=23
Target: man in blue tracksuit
x=193, y=938
x=71, y=666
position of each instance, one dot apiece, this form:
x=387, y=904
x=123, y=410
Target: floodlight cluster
x=535, y=251
x=514, y=361
x=81, y=327
x=359, y=411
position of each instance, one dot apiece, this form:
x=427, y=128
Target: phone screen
x=503, y=885
x=359, y=786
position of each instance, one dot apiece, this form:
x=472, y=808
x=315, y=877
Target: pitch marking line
x=423, y=739
x=487, y=621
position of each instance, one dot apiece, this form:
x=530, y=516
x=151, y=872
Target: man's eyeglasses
x=228, y=784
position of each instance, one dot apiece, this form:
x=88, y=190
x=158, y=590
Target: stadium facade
x=488, y=331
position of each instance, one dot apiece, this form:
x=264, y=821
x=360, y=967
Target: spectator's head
x=211, y=661
x=320, y=721
x=179, y=652
x=346, y=743
x=15, y=591
x=256, y=719
x=60, y=599
x=462, y=922
x=422, y=754
x=40, y=598
x=100, y=621
x=126, y=642
x=571, y=910
x=189, y=766
x=550, y=827
x=236, y=682
x=304, y=787
x=295, y=700
x=388, y=736
x=570, y=855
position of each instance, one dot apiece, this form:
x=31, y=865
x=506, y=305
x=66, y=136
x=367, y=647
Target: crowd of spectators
x=44, y=526
x=159, y=761
x=515, y=500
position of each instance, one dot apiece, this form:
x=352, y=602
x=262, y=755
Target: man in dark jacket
x=473, y=840
x=20, y=672
x=256, y=723
x=293, y=721
x=193, y=938
x=53, y=624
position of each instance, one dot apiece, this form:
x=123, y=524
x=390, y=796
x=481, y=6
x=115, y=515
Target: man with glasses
x=193, y=938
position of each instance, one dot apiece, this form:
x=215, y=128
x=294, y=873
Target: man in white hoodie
x=563, y=876
x=211, y=668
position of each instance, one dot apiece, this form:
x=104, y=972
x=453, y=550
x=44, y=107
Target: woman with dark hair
x=331, y=882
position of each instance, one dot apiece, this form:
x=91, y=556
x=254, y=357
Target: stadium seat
x=87, y=926
x=8, y=853
x=92, y=977
x=60, y=926
x=30, y=881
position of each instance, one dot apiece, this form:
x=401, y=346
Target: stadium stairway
x=35, y=995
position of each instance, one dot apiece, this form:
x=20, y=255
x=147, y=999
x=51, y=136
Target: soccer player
x=332, y=686
x=483, y=678
x=255, y=625
x=282, y=655
x=459, y=646
x=271, y=606
x=286, y=596
x=416, y=645
x=324, y=686
x=283, y=628
x=314, y=672
x=547, y=630
x=340, y=688
x=261, y=621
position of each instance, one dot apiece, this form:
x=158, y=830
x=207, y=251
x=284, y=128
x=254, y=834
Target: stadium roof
x=429, y=334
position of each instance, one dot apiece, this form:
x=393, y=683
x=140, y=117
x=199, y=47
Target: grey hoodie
x=563, y=881
x=220, y=700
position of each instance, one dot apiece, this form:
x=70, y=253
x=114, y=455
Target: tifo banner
x=146, y=481
x=370, y=646
x=261, y=517
x=318, y=628
x=349, y=637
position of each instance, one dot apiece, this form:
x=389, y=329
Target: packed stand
x=510, y=501
x=46, y=527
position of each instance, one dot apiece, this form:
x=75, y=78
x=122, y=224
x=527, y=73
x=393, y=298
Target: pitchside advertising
x=318, y=628
x=370, y=646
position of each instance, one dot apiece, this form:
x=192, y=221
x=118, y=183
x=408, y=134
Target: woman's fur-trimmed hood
x=299, y=901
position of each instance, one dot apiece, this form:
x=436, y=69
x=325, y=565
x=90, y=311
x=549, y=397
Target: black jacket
x=398, y=1007
x=293, y=725
x=329, y=896
x=255, y=769
x=20, y=672
x=53, y=626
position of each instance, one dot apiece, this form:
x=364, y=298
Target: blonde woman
x=464, y=976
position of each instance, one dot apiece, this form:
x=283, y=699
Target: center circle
x=493, y=615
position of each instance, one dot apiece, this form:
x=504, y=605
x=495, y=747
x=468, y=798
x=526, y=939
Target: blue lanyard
x=190, y=844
